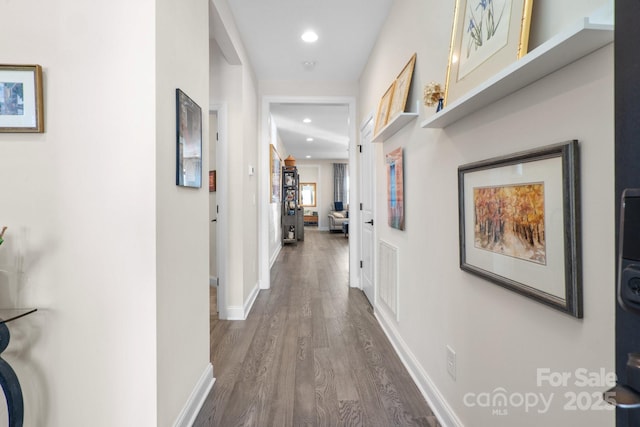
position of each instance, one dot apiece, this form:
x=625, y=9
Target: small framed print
x=520, y=224
x=382, y=116
x=21, y=105
x=212, y=181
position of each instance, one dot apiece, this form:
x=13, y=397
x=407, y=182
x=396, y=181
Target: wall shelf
x=578, y=41
x=397, y=123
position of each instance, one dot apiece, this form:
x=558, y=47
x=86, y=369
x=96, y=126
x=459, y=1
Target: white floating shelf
x=394, y=126
x=569, y=46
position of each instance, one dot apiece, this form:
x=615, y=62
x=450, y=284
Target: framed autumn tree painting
x=520, y=224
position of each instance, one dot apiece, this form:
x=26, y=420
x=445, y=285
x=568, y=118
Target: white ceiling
x=329, y=129
x=347, y=30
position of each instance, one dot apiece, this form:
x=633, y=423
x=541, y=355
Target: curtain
x=341, y=183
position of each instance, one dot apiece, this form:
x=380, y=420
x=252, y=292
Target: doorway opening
x=318, y=132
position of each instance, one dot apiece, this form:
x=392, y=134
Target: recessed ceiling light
x=309, y=65
x=309, y=36
x=308, y=157
x=306, y=120
x=309, y=139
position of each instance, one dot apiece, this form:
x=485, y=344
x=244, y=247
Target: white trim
x=200, y=392
x=441, y=409
x=323, y=228
x=248, y=304
x=274, y=257
x=236, y=312
x=263, y=183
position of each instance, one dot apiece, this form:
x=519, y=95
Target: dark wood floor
x=310, y=353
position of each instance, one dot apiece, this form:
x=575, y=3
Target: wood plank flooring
x=310, y=353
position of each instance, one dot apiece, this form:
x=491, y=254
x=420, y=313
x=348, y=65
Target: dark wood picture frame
x=549, y=272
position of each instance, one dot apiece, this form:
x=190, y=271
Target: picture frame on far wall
x=188, y=141
x=519, y=221
x=382, y=115
x=21, y=100
x=486, y=37
x=402, y=89
x=275, y=165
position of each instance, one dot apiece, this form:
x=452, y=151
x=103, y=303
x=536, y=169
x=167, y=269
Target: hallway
x=310, y=353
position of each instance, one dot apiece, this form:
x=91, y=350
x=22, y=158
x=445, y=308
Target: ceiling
x=347, y=31
x=329, y=128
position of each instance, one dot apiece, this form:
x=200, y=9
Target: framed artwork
x=486, y=37
x=21, y=105
x=402, y=88
x=212, y=181
x=276, y=170
x=382, y=115
x=308, y=194
x=188, y=141
x=519, y=219
x=395, y=188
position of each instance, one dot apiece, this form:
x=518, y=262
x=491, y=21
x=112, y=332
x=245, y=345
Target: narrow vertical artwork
x=395, y=188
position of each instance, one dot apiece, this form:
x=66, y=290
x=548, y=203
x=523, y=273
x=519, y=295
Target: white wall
x=94, y=235
x=500, y=337
x=182, y=230
x=80, y=204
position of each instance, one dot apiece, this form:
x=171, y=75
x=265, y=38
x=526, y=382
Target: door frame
x=263, y=183
x=222, y=232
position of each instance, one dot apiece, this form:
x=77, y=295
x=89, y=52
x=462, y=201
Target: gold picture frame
x=382, y=115
x=402, y=89
x=21, y=103
x=486, y=37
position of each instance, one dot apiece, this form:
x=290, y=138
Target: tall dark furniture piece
x=8, y=378
x=290, y=211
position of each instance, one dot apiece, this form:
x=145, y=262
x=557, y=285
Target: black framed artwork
x=188, y=141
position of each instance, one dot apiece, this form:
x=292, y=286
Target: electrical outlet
x=451, y=362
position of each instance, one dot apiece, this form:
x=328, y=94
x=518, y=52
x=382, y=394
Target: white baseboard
x=252, y=298
x=275, y=256
x=236, y=312
x=213, y=281
x=323, y=228
x=200, y=392
x=441, y=409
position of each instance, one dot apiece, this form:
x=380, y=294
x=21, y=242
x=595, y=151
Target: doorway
x=367, y=202
x=267, y=211
x=213, y=215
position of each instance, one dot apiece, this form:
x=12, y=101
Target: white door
x=213, y=207
x=366, y=218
